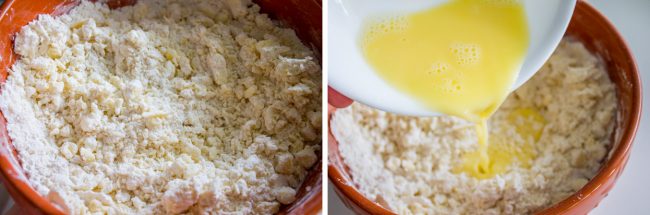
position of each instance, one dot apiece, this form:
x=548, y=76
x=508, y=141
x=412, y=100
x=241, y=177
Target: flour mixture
x=168, y=106
x=555, y=130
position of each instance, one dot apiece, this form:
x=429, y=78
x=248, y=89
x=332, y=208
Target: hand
x=337, y=99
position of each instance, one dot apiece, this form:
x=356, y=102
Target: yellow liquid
x=460, y=58
x=503, y=150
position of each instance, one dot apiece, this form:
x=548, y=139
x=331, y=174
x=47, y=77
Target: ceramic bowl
x=303, y=16
x=599, y=36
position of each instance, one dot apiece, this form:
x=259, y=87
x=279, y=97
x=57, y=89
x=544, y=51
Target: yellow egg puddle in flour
x=461, y=59
x=514, y=143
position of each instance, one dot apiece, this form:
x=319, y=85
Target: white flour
x=406, y=163
x=164, y=107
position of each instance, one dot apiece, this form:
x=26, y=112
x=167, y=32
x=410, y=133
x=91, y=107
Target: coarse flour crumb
x=406, y=163
x=167, y=106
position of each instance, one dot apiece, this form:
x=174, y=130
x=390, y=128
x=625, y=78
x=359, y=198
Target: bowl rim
x=20, y=189
x=12, y=177
x=608, y=170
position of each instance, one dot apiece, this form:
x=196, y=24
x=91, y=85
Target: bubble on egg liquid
x=445, y=78
x=390, y=24
x=466, y=54
x=439, y=68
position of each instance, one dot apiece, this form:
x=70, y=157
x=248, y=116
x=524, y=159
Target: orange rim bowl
x=599, y=36
x=303, y=16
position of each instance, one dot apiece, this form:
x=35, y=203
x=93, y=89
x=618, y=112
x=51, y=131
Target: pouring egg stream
x=460, y=58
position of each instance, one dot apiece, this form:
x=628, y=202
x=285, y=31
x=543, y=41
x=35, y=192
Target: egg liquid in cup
x=462, y=59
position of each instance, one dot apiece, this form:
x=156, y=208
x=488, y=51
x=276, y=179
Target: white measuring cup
x=350, y=75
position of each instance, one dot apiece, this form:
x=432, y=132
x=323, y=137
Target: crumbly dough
x=164, y=107
x=406, y=163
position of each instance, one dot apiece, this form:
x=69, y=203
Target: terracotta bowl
x=304, y=16
x=600, y=37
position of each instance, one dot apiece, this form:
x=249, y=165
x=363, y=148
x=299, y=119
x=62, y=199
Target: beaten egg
x=460, y=58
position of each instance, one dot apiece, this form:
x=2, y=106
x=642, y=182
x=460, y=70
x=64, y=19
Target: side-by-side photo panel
x=224, y=106
x=483, y=107
x=161, y=107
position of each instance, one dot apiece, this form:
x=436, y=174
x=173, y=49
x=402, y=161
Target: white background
x=631, y=194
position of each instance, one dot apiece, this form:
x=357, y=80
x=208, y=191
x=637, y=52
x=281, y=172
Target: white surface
x=352, y=76
x=630, y=194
